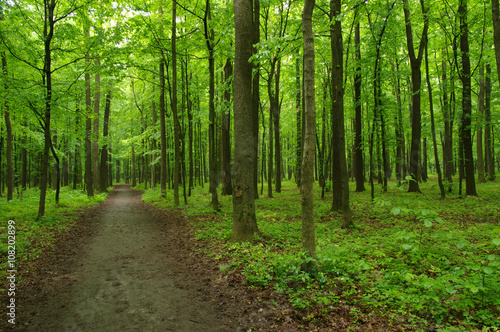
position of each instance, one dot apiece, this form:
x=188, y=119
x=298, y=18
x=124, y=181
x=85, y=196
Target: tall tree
x=104, y=151
x=8, y=126
x=465, y=76
x=340, y=178
x=95, y=128
x=416, y=81
x=227, y=188
x=358, y=126
x=307, y=180
x=479, y=128
x=177, y=127
x=496, y=33
x=488, y=141
x=244, y=219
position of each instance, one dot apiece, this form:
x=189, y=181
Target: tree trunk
x=276, y=109
x=416, y=81
x=270, y=171
x=307, y=180
x=177, y=129
x=298, y=112
x=227, y=188
x=255, y=93
x=488, y=140
x=48, y=34
x=95, y=135
x=470, y=182
x=496, y=33
x=212, y=151
x=89, y=184
x=358, y=125
x=479, y=130
x=339, y=160
x=244, y=219
x=8, y=151
x=433, y=127
x=104, y=151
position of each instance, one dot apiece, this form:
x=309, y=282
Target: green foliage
x=33, y=236
x=432, y=261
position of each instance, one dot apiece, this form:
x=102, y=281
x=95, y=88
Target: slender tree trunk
x=448, y=126
x=177, y=139
x=339, y=160
x=227, y=188
x=358, y=125
x=470, y=181
x=416, y=81
x=104, y=151
x=270, y=171
x=307, y=180
x=496, y=33
x=276, y=109
x=48, y=34
x=8, y=126
x=255, y=93
x=95, y=135
x=244, y=219
x=163, y=134
x=153, y=141
x=298, y=112
x=488, y=140
x=479, y=130
x=433, y=127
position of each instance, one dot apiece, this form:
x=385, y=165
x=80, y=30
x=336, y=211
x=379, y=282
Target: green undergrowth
x=414, y=257
x=34, y=236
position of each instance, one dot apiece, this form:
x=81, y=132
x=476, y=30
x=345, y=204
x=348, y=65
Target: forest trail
x=124, y=277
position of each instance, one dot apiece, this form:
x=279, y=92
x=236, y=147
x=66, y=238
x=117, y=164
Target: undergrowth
x=414, y=257
x=31, y=235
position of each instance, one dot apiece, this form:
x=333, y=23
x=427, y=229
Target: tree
x=340, y=178
x=465, y=76
x=307, y=179
x=244, y=219
x=358, y=127
x=416, y=81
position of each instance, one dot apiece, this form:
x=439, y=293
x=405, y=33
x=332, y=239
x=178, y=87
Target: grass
x=33, y=236
x=411, y=257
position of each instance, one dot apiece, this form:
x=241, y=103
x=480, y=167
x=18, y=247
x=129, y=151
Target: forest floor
x=128, y=266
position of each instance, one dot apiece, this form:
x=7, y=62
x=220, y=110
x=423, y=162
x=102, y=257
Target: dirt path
x=129, y=267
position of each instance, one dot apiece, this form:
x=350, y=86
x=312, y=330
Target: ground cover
x=34, y=236
x=413, y=261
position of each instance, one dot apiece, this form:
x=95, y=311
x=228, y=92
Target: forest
x=342, y=154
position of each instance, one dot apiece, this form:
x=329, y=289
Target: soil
x=128, y=266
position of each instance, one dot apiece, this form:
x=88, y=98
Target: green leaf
x=427, y=223
x=407, y=246
x=496, y=241
x=488, y=269
x=396, y=211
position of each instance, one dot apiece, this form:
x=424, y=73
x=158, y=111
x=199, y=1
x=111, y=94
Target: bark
x=276, y=109
x=339, y=158
x=88, y=128
x=95, y=135
x=496, y=33
x=177, y=128
x=448, y=163
x=416, y=81
x=153, y=141
x=244, y=219
x=104, y=151
x=433, y=126
x=8, y=126
x=488, y=140
x=307, y=180
x=163, y=137
x=298, y=103
x=358, y=125
x=227, y=188
x=48, y=34
x=470, y=182
x=479, y=130
x=190, y=142
x=255, y=93
x=270, y=171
